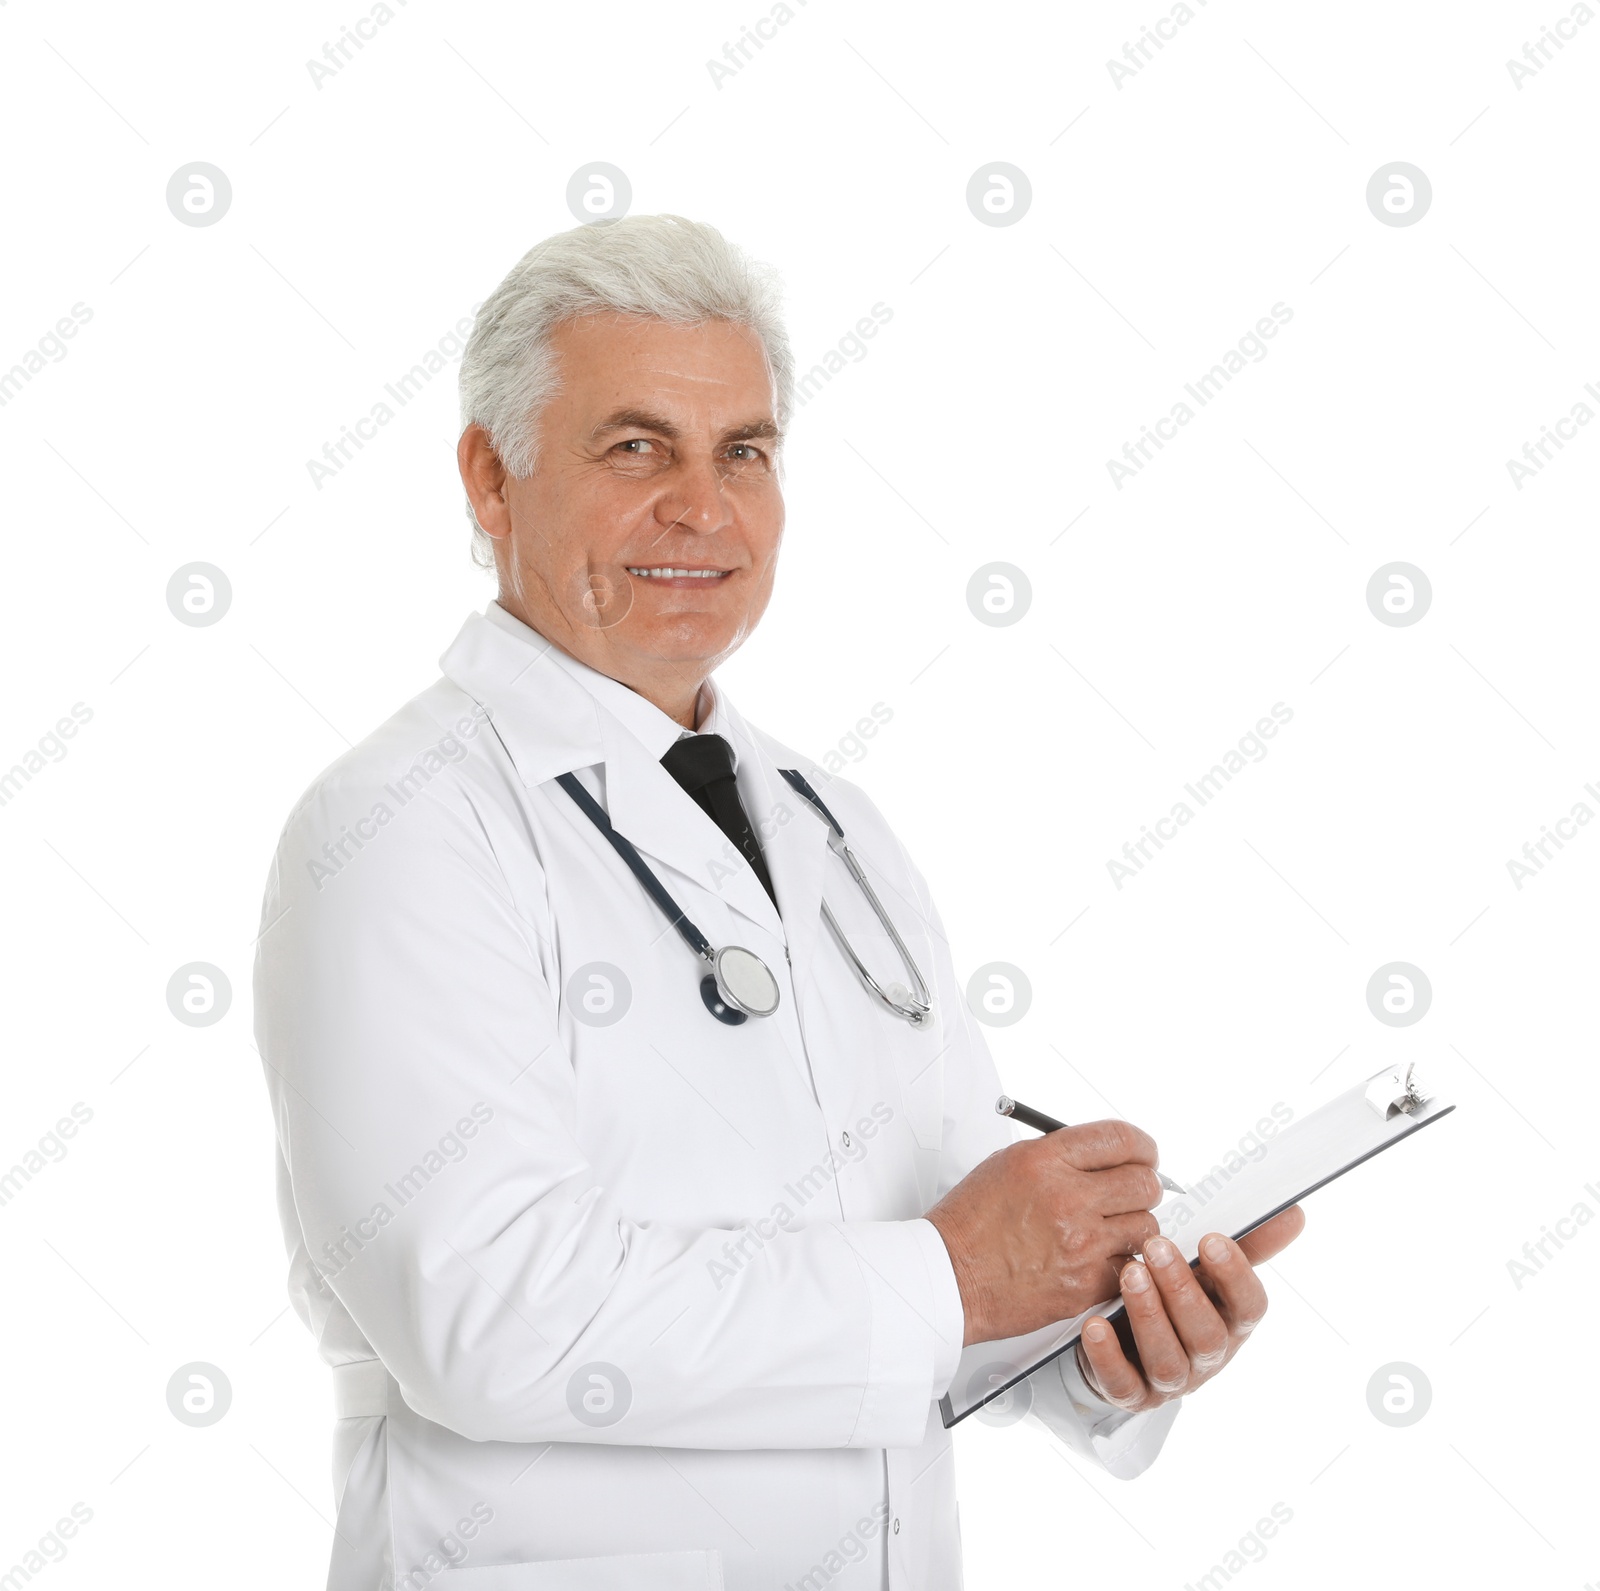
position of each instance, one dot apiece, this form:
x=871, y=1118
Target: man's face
x=657, y=454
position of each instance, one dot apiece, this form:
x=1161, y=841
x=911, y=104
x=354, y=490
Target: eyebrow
x=644, y=420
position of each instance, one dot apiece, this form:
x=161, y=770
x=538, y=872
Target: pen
x=1007, y=1106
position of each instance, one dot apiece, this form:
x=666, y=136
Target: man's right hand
x=1035, y=1231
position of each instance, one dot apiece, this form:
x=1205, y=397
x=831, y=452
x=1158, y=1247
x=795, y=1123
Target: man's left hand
x=1187, y=1324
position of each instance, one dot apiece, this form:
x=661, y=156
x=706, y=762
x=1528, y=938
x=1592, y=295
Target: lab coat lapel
x=667, y=825
x=551, y=725
x=794, y=838
x=547, y=722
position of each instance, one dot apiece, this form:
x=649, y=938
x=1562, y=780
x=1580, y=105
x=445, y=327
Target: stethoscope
x=740, y=984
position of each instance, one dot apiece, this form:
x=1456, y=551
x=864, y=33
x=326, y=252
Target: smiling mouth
x=667, y=572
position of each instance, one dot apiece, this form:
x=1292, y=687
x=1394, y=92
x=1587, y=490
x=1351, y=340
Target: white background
x=1168, y=215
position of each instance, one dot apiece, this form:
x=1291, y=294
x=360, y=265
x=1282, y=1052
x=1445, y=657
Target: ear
x=484, y=477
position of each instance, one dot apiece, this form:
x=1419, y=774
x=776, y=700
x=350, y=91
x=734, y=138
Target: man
x=621, y=1286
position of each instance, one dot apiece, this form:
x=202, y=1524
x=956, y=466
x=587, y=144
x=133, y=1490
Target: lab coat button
x=897, y=1527
x=844, y=1138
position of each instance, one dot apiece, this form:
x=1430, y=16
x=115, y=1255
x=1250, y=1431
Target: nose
x=694, y=499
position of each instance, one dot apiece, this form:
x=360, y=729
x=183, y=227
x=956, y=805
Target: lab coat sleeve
x=426, y=1111
x=1124, y=1444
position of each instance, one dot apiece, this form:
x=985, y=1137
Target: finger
x=1273, y=1236
x=1121, y=1189
x=1165, y=1358
x=1239, y=1295
x=1128, y=1234
x=1122, y=1236
x=1200, y=1328
x=1096, y=1145
x=1116, y=1378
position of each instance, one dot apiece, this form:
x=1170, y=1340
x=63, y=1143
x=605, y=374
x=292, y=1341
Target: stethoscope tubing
x=641, y=869
x=922, y=1001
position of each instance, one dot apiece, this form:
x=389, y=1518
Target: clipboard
x=1308, y=1154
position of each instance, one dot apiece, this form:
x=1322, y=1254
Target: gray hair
x=661, y=266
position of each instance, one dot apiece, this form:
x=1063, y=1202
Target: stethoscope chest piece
x=739, y=985
x=715, y=1003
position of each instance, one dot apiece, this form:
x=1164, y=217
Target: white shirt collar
x=652, y=728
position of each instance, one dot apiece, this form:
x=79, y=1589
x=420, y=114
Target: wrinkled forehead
x=611, y=364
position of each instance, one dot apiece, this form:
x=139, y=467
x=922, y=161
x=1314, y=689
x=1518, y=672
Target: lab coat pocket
x=659, y=1571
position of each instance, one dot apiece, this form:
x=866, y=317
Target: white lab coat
x=632, y=1299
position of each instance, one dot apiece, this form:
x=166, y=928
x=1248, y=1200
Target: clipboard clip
x=1397, y=1092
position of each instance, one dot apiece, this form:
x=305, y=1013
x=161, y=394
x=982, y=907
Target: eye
x=634, y=446
x=744, y=452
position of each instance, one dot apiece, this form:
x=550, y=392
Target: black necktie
x=703, y=765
